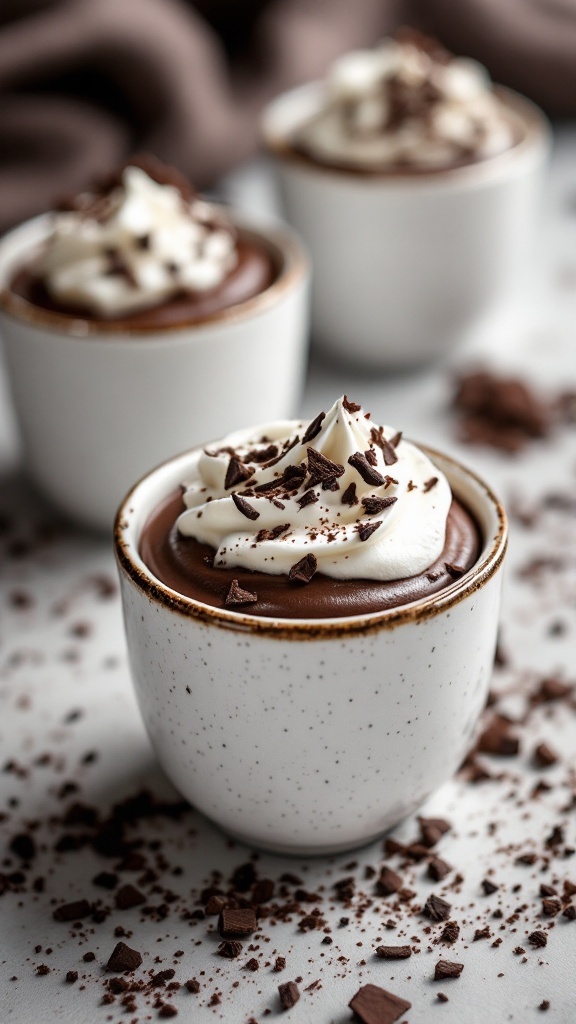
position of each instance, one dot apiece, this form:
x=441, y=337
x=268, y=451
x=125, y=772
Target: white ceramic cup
x=98, y=406
x=405, y=265
x=310, y=737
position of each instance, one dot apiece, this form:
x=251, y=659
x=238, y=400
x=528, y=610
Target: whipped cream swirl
x=135, y=247
x=407, y=103
x=351, y=499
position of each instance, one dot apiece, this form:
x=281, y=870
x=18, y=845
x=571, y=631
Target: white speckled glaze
x=406, y=264
x=98, y=407
x=310, y=737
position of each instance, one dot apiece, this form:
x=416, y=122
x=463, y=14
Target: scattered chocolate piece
x=450, y=933
x=192, y=985
x=23, y=846
x=538, y=939
x=308, y=498
x=373, y=504
x=388, y=882
x=375, y=1005
x=489, y=887
x=263, y=891
x=441, y=997
x=544, y=756
x=129, y=896
x=395, y=441
x=105, y=880
x=544, y=1005
x=71, y=977
x=499, y=411
x=436, y=908
x=279, y=964
x=237, y=595
x=230, y=949
x=289, y=994
x=438, y=869
x=554, y=689
x=167, y=1010
x=72, y=911
x=366, y=471
x=393, y=952
x=386, y=447
x=244, y=506
x=236, y=473
x=349, y=496
x=237, y=922
x=88, y=958
x=432, y=830
x=551, y=906
x=314, y=428
x=498, y=739
x=365, y=530
x=42, y=970
x=123, y=958
x=569, y=912
x=215, y=905
x=447, y=969
x=303, y=571
x=321, y=469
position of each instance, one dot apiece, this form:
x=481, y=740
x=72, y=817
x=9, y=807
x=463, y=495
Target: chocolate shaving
x=303, y=571
x=386, y=447
x=308, y=498
x=289, y=994
x=367, y=472
x=350, y=406
x=313, y=428
x=393, y=952
x=244, y=507
x=447, y=969
x=349, y=496
x=365, y=530
x=373, y=504
x=388, y=882
x=430, y=484
x=237, y=595
x=395, y=441
x=321, y=469
x=261, y=454
x=236, y=473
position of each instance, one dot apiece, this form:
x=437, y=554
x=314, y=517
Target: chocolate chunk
x=373, y=505
x=230, y=949
x=393, y=952
x=436, y=908
x=372, y=457
x=544, y=756
x=388, y=882
x=554, y=689
x=450, y=933
x=308, y=498
x=438, y=869
x=386, y=447
x=236, y=473
x=252, y=964
x=123, y=958
x=447, y=969
x=538, y=939
x=237, y=595
x=105, y=880
x=551, y=907
x=289, y=994
x=89, y=957
x=71, y=977
x=236, y=922
x=314, y=428
x=321, y=469
x=482, y=933
x=244, y=507
x=303, y=571
x=279, y=964
x=129, y=896
x=72, y=911
x=569, y=912
x=430, y=484
x=499, y=411
x=432, y=830
x=489, y=887
x=263, y=891
x=544, y=1005
x=261, y=454
x=365, y=530
x=42, y=970
x=498, y=739
x=375, y=1005
x=370, y=475
x=350, y=406
x=349, y=496
x=23, y=846
x=167, y=1010
x=215, y=905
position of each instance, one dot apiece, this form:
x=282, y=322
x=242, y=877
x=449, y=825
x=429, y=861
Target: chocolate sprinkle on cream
x=303, y=571
x=366, y=471
x=395, y=441
x=386, y=447
x=236, y=473
x=365, y=530
x=244, y=507
x=375, y=1005
x=321, y=469
x=314, y=428
x=373, y=505
x=308, y=498
x=430, y=484
x=237, y=595
x=349, y=496
x=350, y=406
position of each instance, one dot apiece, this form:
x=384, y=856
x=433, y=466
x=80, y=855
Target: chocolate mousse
x=325, y=519
x=407, y=107
x=143, y=251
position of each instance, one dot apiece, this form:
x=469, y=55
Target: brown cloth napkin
x=85, y=83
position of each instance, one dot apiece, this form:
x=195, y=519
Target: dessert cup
x=405, y=265
x=98, y=405
x=310, y=736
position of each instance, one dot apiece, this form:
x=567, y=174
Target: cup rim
x=537, y=136
x=139, y=575
x=281, y=242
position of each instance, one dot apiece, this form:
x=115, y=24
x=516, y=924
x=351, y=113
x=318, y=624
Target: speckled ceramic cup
x=310, y=737
x=98, y=406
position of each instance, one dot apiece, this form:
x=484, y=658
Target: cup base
x=291, y=850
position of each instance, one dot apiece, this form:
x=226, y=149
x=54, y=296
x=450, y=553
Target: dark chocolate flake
x=349, y=496
x=314, y=428
x=370, y=475
x=386, y=447
x=321, y=469
x=123, y=958
x=244, y=507
x=308, y=498
x=236, y=922
x=365, y=530
x=373, y=504
x=430, y=484
x=236, y=473
x=272, y=534
x=395, y=441
x=544, y=756
x=375, y=1005
x=237, y=595
x=393, y=952
x=289, y=994
x=436, y=908
x=388, y=882
x=489, y=887
x=303, y=571
x=447, y=969
x=350, y=406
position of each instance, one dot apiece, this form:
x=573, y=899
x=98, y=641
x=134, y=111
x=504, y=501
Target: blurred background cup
x=98, y=406
x=405, y=265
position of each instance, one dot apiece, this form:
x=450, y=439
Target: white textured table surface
x=68, y=719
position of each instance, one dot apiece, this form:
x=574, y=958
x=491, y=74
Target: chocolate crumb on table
x=375, y=1005
x=502, y=412
x=289, y=994
x=447, y=969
